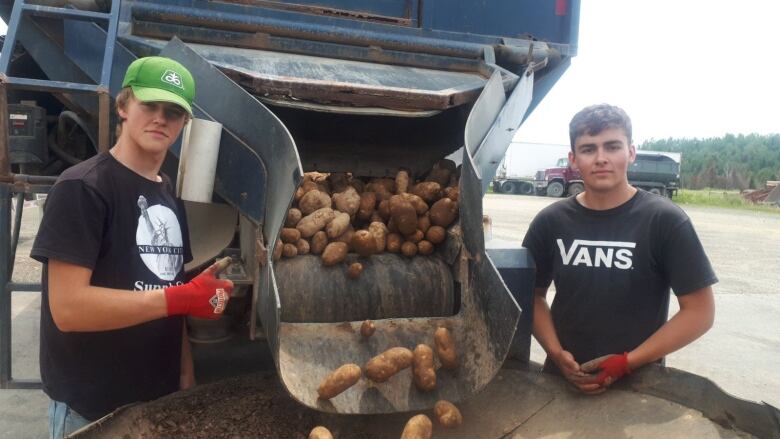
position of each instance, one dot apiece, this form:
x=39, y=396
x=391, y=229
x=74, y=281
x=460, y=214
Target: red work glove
x=612, y=367
x=205, y=296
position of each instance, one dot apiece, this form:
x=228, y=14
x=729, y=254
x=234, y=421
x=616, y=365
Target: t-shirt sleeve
x=685, y=264
x=538, y=243
x=72, y=226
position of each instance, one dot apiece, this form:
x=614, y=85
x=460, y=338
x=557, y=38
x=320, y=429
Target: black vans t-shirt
x=613, y=270
x=131, y=232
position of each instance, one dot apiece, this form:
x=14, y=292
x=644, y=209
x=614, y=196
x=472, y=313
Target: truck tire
x=555, y=189
x=526, y=188
x=575, y=188
x=508, y=187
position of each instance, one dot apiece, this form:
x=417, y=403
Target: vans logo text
x=604, y=254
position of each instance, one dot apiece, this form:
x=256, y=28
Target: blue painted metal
x=71, y=14
x=51, y=86
x=5, y=278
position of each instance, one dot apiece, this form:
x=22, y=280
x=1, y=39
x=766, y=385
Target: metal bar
x=5, y=164
x=5, y=296
x=104, y=105
x=15, y=235
x=65, y=13
x=23, y=384
x=108, y=55
x=50, y=86
x=10, y=40
x=26, y=287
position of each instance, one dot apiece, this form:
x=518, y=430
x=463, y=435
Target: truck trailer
x=331, y=86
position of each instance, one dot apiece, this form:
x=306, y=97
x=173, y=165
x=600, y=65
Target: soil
x=248, y=406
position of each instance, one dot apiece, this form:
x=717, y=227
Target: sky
x=684, y=68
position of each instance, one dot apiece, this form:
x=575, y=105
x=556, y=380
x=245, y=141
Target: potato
x=444, y=212
x=303, y=247
x=314, y=222
x=446, y=164
x=378, y=231
x=299, y=194
x=367, y=205
x=418, y=427
x=403, y=214
x=318, y=242
x=453, y=193
x=346, y=238
x=420, y=206
x=347, y=201
x=289, y=251
x=394, y=241
x=422, y=368
x=429, y=191
x=358, y=184
x=339, y=380
x=334, y=253
x=436, y=234
x=278, y=250
x=384, y=209
x=338, y=225
x=447, y=414
x=439, y=175
x=391, y=226
x=424, y=222
x=363, y=243
x=309, y=186
x=402, y=181
x=338, y=181
x=416, y=237
x=354, y=270
x=320, y=432
x=293, y=216
x=409, y=249
x=387, y=185
x=445, y=348
x=290, y=235
x=367, y=329
x=380, y=368
x=424, y=247
x=313, y=200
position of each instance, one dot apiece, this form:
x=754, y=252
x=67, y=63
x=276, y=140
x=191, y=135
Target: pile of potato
x=382, y=367
x=335, y=214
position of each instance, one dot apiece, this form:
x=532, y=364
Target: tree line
x=729, y=162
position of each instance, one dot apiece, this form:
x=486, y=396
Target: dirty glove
x=612, y=368
x=205, y=296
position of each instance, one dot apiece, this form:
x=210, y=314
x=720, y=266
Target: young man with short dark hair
x=113, y=241
x=614, y=252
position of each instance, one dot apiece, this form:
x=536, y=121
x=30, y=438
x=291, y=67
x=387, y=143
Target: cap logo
x=173, y=78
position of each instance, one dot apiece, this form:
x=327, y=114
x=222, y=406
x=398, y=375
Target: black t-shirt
x=613, y=270
x=132, y=233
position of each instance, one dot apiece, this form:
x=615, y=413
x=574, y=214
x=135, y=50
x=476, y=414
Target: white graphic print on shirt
x=605, y=253
x=159, y=241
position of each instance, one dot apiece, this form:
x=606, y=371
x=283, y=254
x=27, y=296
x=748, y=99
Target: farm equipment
x=321, y=86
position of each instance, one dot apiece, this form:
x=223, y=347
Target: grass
x=719, y=198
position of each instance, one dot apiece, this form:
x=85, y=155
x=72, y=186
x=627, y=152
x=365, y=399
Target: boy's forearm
x=91, y=309
x=543, y=327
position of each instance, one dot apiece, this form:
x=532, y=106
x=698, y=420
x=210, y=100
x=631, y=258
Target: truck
x=518, y=172
x=655, y=172
x=330, y=86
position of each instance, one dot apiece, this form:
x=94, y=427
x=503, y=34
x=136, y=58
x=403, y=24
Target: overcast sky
x=691, y=68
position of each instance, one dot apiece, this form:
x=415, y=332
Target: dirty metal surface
x=389, y=286
x=214, y=225
x=291, y=77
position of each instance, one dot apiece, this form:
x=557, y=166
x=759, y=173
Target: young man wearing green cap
x=113, y=242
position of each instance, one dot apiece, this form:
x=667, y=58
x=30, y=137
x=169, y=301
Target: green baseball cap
x=159, y=79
